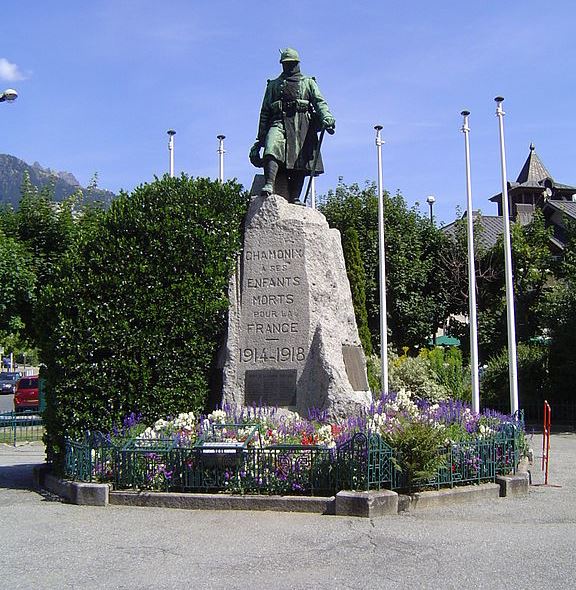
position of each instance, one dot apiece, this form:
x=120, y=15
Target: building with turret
x=535, y=188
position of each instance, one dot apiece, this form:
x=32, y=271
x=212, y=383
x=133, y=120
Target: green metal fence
x=214, y=463
x=19, y=427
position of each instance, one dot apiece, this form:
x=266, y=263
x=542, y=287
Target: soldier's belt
x=298, y=105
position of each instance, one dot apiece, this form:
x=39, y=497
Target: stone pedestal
x=292, y=336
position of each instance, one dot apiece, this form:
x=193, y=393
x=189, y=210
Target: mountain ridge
x=64, y=184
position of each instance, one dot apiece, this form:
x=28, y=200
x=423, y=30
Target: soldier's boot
x=270, y=171
x=295, y=184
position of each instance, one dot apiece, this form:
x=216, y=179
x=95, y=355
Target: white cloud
x=9, y=71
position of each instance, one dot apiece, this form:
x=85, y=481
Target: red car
x=26, y=396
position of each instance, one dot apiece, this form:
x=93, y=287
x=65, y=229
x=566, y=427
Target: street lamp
x=431, y=199
x=171, y=133
x=8, y=95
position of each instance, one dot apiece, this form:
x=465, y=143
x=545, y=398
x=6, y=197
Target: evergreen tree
x=357, y=279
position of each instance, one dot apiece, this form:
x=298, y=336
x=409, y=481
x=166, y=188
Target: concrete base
x=346, y=503
x=74, y=492
x=435, y=498
x=312, y=504
x=513, y=485
x=366, y=504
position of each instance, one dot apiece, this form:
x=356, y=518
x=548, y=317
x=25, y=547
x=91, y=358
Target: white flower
x=218, y=416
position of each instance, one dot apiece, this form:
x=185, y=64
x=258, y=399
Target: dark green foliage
x=449, y=371
x=418, y=446
x=558, y=316
x=357, y=279
x=532, y=377
x=134, y=319
x=17, y=290
x=416, y=284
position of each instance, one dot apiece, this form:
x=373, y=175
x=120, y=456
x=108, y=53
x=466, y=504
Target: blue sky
x=101, y=82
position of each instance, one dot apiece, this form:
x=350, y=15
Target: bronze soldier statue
x=293, y=112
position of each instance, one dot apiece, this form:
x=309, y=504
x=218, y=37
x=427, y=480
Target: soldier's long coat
x=288, y=131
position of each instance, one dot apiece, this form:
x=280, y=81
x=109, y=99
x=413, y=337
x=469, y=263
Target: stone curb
x=74, y=492
x=190, y=501
x=369, y=504
x=444, y=497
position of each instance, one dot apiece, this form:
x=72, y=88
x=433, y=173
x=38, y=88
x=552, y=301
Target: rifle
x=315, y=163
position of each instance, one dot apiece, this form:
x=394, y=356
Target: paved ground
x=509, y=543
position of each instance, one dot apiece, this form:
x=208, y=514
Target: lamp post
x=431, y=199
x=471, y=273
x=171, y=134
x=382, y=267
x=512, y=362
x=9, y=95
x=221, y=152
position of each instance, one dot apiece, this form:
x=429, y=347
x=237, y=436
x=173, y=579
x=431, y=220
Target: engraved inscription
x=275, y=387
x=274, y=330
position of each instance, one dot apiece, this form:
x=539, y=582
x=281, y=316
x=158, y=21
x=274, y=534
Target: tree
x=133, y=318
x=533, y=267
x=357, y=279
x=558, y=316
x=416, y=286
x=17, y=291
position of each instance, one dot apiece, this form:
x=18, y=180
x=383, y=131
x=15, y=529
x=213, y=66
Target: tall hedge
x=134, y=319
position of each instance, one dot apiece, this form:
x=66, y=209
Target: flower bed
x=399, y=444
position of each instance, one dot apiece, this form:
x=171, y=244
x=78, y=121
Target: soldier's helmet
x=289, y=54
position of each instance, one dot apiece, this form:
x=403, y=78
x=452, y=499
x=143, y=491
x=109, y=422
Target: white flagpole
x=382, y=267
x=221, y=152
x=512, y=361
x=471, y=273
x=171, y=134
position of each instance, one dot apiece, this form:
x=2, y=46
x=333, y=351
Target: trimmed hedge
x=133, y=321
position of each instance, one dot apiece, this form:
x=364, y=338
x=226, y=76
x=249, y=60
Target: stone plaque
x=270, y=387
x=354, y=364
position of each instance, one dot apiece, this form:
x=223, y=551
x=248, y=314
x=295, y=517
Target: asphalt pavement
x=6, y=402
x=526, y=542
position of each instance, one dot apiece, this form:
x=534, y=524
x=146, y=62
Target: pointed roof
x=533, y=169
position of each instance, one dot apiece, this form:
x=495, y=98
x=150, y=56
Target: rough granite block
x=513, y=485
x=366, y=504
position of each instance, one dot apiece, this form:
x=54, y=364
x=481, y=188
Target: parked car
x=26, y=396
x=8, y=381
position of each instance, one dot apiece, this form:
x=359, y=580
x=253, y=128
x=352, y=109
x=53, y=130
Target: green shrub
x=532, y=377
x=133, y=321
x=416, y=375
x=418, y=445
x=446, y=364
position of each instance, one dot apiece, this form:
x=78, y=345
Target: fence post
x=546, y=440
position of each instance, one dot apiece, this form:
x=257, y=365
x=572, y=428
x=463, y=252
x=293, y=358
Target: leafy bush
x=446, y=365
x=416, y=375
x=532, y=377
x=133, y=320
x=418, y=446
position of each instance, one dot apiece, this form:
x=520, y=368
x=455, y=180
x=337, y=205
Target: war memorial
x=292, y=336
x=297, y=427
